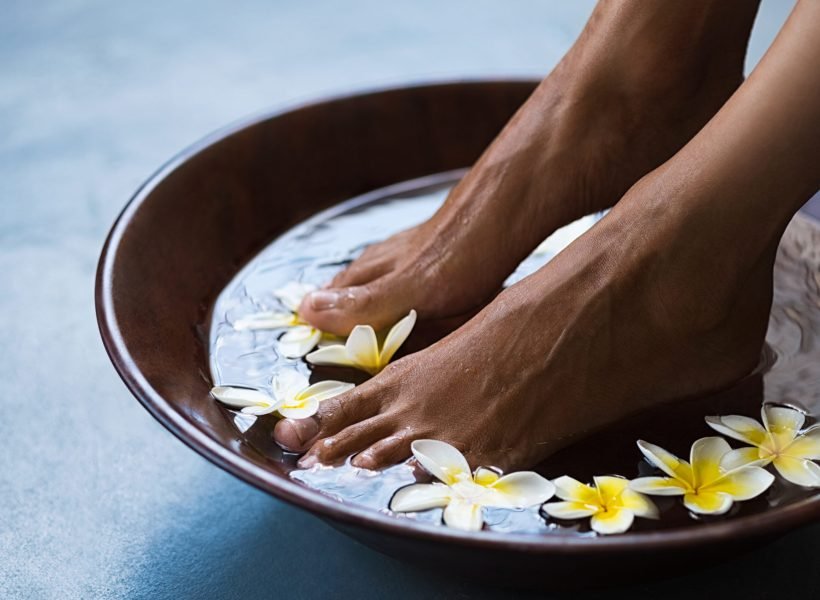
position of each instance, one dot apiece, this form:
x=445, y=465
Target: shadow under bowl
x=195, y=222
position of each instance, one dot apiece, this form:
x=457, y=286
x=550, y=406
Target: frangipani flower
x=293, y=396
x=778, y=441
x=252, y=402
x=611, y=504
x=301, y=337
x=361, y=350
x=461, y=493
x=706, y=487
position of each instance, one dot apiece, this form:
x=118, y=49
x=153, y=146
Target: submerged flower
x=301, y=337
x=461, y=493
x=778, y=440
x=293, y=396
x=611, y=504
x=361, y=350
x=706, y=486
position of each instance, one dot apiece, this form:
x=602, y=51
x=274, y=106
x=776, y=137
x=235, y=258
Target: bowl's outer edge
x=737, y=531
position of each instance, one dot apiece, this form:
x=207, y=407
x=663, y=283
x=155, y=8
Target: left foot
x=629, y=315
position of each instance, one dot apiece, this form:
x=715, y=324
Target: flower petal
x=328, y=339
x=743, y=483
x=258, y=411
x=569, y=510
x=441, y=460
x=781, y=420
x=396, y=337
x=638, y=504
x=798, y=471
x=287, y=383
x=658, y=486
x=300, y=409
x=420, y=496
x=291, y=294
x=739, y=428
x=298, y=341
x=241, y=397
x=484, y=476
x=708, y=503
x=666, y=461
x=463, y=515
x=806, y=445
x=568, y=488
x=332, y=356
x=363, y=348
x=612, y=521
x=706, y=455
x=522, y=489
x=264, y=320
x=609, y=487
x=742, y=457
x=324, y=389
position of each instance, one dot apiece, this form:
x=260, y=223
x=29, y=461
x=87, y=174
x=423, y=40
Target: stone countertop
x=97, y=500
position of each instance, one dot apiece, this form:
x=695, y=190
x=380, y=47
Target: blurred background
x=96, y=499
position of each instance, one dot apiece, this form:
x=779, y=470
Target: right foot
x=600, y=121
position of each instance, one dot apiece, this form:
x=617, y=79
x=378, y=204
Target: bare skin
x=666, y=297
x=640, y=81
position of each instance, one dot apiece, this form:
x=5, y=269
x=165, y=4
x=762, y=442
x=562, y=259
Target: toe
x=349, y=441
x=380, y=303
x=388, y=451
x=360, y=272
x=297, y=435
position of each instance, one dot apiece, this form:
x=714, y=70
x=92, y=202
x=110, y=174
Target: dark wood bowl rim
x=772, y=522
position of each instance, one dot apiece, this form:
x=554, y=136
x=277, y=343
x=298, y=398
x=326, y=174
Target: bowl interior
x=191, y=227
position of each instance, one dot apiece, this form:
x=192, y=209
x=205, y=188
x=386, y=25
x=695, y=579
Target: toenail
x=305, y=429
x=307, y=462
x=363, y=460
x=324, y=300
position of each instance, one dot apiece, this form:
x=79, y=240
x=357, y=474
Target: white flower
x=300, y=337
x=299, y=398
x=706, y=486
x=778, y=440
x=463, y=494
x=361, y=350
x=293, y=396
x=251, y=401
x=611, y=504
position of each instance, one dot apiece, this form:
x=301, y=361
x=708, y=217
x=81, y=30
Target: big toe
x=296, y=435
x=339, y=310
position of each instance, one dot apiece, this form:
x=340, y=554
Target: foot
x=601, y=120
x=629, y=315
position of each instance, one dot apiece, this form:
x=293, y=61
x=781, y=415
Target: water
x=315, y=250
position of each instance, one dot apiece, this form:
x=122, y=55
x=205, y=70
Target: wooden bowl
x=196, y=221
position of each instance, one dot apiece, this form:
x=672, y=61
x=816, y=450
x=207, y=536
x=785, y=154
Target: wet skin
x=675, y=280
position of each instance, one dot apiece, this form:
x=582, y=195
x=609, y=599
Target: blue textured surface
x=96, y=499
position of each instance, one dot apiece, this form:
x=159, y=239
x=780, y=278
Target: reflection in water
x=315, y=250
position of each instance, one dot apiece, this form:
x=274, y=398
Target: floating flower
x=301, y=337
x=293, y=396
x=361, y=350
x=461, y=493
x=778, y=440
x=611, y=504
x=706, y=487
x=290, y=296
x=251, y=401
